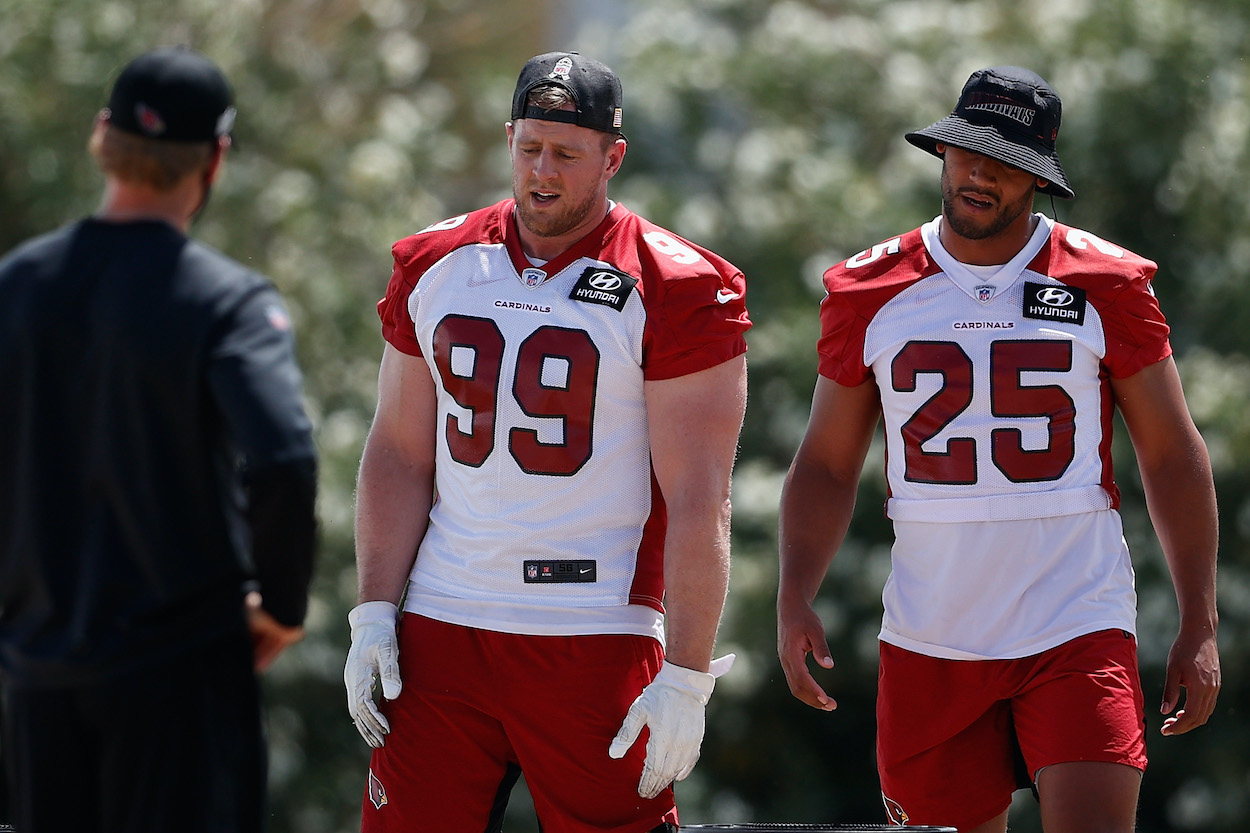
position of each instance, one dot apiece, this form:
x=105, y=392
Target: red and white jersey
x=548, y=518
x=997, y=408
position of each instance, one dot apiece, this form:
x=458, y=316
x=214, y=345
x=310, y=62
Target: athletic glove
x=374, y=654
x=672, y=707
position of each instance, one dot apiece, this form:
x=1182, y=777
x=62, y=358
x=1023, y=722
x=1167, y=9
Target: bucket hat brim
x=987, y=141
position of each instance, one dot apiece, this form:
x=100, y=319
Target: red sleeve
x=1136, y=332
x=1117, y=283
x=702, y=324
x=415, y=254
x=397, y=326
x=696, y=304
x=840, y=350
x=854, y=291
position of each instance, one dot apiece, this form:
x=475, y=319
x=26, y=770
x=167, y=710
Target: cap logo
x=1001, y=107
x=562, y=68
x=149, y=121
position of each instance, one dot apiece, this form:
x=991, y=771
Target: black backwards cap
x=594, y=87
x=172, y=94
x=1009, y=114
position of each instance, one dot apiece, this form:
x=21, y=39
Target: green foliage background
x=770, y=131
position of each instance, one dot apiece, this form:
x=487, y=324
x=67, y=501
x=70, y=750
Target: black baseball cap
x=173, y=94
x=1009, y=114
x=594, y=87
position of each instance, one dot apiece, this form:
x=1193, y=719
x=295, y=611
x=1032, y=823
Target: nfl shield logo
x=531, y=570
x=984, y=293
x=533, y=277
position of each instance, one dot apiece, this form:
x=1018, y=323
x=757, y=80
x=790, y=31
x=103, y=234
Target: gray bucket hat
x=1009, y=114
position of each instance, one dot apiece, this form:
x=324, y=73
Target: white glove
x=374, y=653
x=672, y=707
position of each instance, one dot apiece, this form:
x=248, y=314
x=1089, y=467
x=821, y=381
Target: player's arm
x=255, y=383
x=694, y=425
x=394, y=493
x=817, y=502
x=1180, y=496
x=395, y=484
x=694, y=421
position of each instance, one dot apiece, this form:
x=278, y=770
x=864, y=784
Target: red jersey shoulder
x=695, y=300
x=878, y=273
x=897, y=260
x=1077, y=258
x=671, y=270
x=417, y=252
x=652, y=253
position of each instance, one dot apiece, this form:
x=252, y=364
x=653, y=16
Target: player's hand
x=269, y=636
x=374, y=655
x=799, y=633
x=1194, y=665
x=672, y=707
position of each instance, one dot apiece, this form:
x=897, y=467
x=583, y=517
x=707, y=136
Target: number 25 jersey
x=996, y=400
x=545, y=494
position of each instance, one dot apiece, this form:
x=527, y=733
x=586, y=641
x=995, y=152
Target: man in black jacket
x=157, y=485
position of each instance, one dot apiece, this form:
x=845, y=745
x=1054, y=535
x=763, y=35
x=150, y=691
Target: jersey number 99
x=569, y=400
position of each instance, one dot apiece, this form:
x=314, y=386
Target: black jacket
x=155, y=456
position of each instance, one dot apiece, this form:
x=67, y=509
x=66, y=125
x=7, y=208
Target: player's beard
x=558, y=223
x=970, y=230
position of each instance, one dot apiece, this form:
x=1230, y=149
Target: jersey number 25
x=1009, y=399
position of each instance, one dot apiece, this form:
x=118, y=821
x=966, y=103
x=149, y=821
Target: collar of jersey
x=588, y=246
x=1005, y=276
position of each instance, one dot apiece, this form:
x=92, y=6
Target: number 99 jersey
x=996, y=400
x=545, y=493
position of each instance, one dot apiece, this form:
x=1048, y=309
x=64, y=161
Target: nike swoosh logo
x=475, y=280
x=724, y=296
x=584, y=572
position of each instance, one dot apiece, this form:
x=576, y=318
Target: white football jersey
x=997, y=412
x=547, y=517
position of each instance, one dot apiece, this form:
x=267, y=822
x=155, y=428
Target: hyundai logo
x=1054, y=297
x=605, y=281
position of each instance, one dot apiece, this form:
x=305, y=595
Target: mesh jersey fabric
x=997, y=433
x=542, y=452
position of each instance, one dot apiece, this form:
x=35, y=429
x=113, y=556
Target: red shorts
x=479, y=707
x=956, y=738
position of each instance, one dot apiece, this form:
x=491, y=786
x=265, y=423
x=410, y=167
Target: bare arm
x=1180, y=496
x=395, y=486
x=694, y=423
x=817, y=502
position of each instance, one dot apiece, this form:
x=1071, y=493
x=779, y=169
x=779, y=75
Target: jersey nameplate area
x=1054, y=303
x=609, y=287
x=559, y=572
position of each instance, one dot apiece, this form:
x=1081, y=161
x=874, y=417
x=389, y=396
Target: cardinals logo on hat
x=149, y=121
